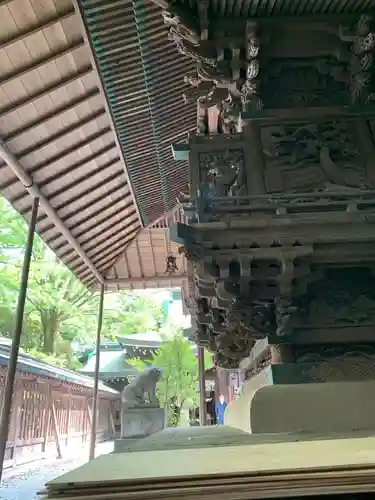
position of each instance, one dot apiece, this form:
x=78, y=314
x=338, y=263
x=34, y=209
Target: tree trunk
x=51, y=328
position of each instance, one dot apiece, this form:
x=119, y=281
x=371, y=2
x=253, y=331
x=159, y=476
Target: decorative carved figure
x=171, y=266
x=263, y=363
x=360, y=68
x=182, y=24
x=253, y=44
x=134, y=394
x=256, y=320
x=222, y=173
x=195, y=52
x=284, y=311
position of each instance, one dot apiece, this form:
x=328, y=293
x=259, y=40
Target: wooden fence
x=50, y=415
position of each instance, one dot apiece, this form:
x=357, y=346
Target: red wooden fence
x=49, y=415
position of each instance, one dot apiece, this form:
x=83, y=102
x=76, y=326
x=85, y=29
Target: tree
x=132, y=313
x=58, y=298
x=179, y=383
x=60, y=311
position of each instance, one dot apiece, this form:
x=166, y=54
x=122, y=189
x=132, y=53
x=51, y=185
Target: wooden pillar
x=254, y=159
x=16, y=418
x=68, y=418
x=12, y=364
x=94, y=416
x=46, y=421
x=55, y=427
x=111, y=419
x=202, y=388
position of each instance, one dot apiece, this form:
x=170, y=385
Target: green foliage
x=59, y=309
x=178, y=386
x=132, y=313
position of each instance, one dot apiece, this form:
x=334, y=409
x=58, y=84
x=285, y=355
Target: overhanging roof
x=53, y=118
x=80, y=136
x=35, y=366
x=144, y=78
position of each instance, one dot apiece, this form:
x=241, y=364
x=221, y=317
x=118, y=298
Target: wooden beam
x=269, y=116
x=35, y=28
x=164, y=278
x=55, y=428
x=71, y=77
x=326, y=335
x=163, y=4
x=63, y=108
x=52, y=56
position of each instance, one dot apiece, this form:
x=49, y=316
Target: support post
x=16, y=417
x=55, y=427
x=112, y=420
x=202, y=388
x=68, y=417
x=96, y=380
x=12, y=364
x=46, y=422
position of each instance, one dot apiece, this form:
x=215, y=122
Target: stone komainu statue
x=145, y=383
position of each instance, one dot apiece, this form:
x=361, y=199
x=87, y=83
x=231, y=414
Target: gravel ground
x=24, y=481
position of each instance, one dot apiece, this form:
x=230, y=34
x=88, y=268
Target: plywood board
x=252, y=487
x=226, y=461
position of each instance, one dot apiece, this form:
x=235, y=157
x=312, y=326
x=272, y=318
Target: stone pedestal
x=308, y=408
x=137, y=423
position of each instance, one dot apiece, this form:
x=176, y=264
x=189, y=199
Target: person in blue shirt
x=220, y=410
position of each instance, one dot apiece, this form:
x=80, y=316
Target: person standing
x=220, y=410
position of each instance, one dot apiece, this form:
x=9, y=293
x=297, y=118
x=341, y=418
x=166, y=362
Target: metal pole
x=12, y=365
x=96, y=379
x=202, y=388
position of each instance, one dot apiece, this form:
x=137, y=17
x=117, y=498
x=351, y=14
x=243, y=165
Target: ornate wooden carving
x=345, y=297
x=265, y=360
x=227, y=63
x=359, y=59
x=313, y=156
x=340, y=352
x=222, y=173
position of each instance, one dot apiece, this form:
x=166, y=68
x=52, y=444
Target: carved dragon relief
x=314, y=157
x=223, y=76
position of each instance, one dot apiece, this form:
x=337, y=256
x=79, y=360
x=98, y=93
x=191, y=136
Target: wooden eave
x=55, y=121
x=143, y=75
x=266, y=8
x=143, y=263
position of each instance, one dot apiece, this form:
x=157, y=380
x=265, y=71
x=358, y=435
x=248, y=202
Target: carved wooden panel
x=313, y=156
x=222, y=173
